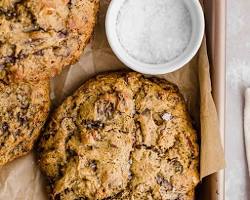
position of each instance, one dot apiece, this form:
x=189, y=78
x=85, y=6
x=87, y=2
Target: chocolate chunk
x=105, y=109
x=94, y=124
x=90, y=147
x=10, y=14
x=46, y=136
x=93, y=165
x=60, y=170
x=34, y=27
x=71, y=153
x=67, y=190
x=39, y=53
x=58, y=197
x=163, y=182
x=81, y=198
x=17, y=133
x=25, y=105
x=62, y=34
x=22, y=119
x=109, y=111
x=2, y=66
x=146, y=112
x=177, y=166
x=5, y=127
x=10, y=59
x=113, y=145
x=58, y=51
x=21, y=55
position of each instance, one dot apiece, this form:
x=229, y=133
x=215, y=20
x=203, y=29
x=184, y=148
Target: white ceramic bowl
x=198, y=26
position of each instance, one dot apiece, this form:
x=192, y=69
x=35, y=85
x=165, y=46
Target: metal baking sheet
x=213, y=187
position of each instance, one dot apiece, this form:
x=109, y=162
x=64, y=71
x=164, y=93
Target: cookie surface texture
x=24, y=109
x=40, y=37
x=121, y=136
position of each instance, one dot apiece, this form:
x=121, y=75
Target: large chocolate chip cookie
x=24, y=109
x=39, y=37
x=121, y=136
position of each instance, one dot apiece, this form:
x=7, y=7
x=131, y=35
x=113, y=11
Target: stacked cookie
x=119, y=136
x=37, y=39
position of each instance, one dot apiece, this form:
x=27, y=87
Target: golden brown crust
x=121, y=136
x=24, y=109
x=40, y=37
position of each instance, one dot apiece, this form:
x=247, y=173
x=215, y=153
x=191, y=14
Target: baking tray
x=213, y=186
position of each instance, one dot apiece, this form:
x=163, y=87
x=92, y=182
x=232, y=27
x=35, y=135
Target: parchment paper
x=21, y=179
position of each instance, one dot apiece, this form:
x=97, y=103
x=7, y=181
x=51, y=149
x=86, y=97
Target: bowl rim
x=198, y=29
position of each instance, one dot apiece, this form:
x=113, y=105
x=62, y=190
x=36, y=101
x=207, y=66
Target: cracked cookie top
x=121, y=136
x=24, y=109
x=40, y=37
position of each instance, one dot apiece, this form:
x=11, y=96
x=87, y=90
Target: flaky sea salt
x=167, y=116
x=154, y=31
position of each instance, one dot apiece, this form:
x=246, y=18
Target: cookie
x=40, y=37
x=23, y=110
x=121, y=136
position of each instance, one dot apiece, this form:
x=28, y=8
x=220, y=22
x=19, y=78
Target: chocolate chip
x=113, y=145
x=94, y=124
x=163, y=182
x=39, y=53
x=90, y=147
x=146, y=112
x=32, y=28
x=25, y=105
x=69, y=3
x=2, y=66
x=93, y=165
x=46, y=136
x=71, y=153
x=34, y=41
x=60, y=170
x=69, y=137
x=10, y=59
x=105, y=109
x=177, y=166
x=17, y=133
x=22, y=119
x=10, y=14
x=39, y=149
x=21, y=55
x=5, y=127
x=62, y=34
x=58, y=51
x=126, y=79
x=67, y=190
x=58, y=197
x=160, y=95
x=109, y=110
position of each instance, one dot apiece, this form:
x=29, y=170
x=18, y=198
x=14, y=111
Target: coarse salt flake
x=167, y=116
x=154, y=31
